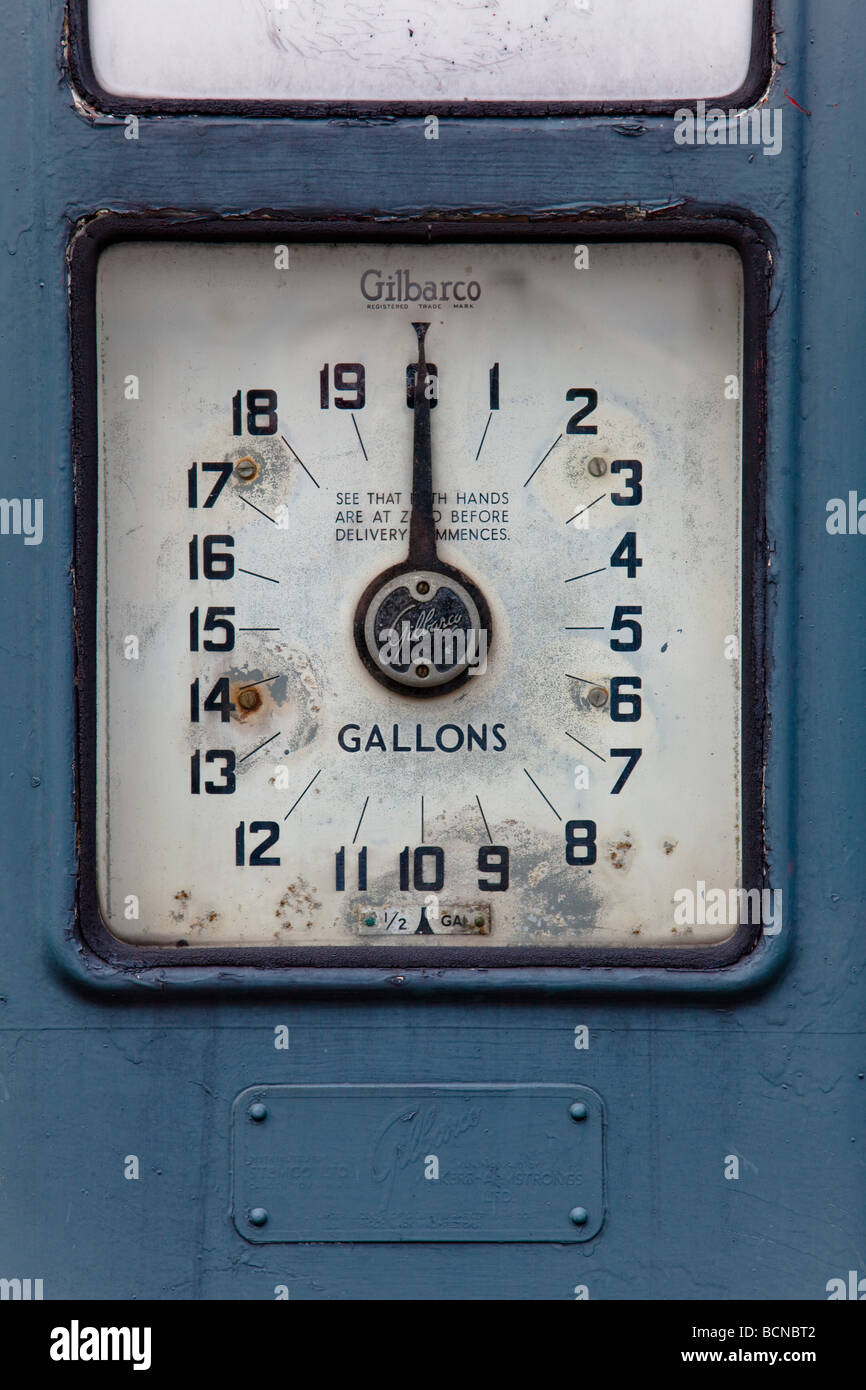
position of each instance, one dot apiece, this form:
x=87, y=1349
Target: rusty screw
x=597, y=467
x=422, y=671
x=422, y=586
x=479, y=921
x=246, y=469
x=597, y=697
x=249, y=699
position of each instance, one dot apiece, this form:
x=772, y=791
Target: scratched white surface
x=422, y=50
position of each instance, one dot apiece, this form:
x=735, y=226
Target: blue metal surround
x=762, y=1060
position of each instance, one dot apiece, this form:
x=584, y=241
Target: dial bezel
x=348, y=966
x=86, y=85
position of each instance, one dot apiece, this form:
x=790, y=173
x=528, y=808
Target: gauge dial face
x=284, y=50
x=419, y=592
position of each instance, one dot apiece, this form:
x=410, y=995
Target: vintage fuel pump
x=436, y=855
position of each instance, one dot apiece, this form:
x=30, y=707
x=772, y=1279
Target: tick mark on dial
x=586, y=746
x=541, y=794
x=585, y=509
x=546, y=456
x=360, y=440
x=248, y=503
x=255, y=575
x=484, y=818
x=300, y=460
x=484, y=436
x=258, y=746
x=301, y=797
x=584, y=576
x=360, y=818
x=266, y=681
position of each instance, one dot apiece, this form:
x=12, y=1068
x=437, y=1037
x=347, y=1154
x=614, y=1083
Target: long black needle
x=422, y=528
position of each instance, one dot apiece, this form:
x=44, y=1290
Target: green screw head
x=479, y=921
x=370, y=919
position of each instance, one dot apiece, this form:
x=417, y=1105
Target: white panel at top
x=421, y=50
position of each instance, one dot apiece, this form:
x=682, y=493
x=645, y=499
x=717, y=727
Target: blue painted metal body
x=764, y=1062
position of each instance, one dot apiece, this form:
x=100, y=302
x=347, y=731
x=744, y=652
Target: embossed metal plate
x=418, y=1163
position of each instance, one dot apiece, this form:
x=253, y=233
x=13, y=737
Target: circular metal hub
x=423, y=631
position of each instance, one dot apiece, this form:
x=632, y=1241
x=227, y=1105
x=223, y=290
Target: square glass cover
x=419, y=592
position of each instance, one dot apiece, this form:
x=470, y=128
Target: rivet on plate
x=578, y=1111
x=258, y=1111
x=258, y=1216
x=578, y=1216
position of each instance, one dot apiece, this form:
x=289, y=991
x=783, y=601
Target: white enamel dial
x=270, y=772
